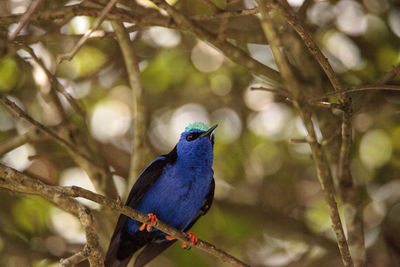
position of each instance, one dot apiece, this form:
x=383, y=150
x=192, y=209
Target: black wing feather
x=122, y=245
x=155, y=248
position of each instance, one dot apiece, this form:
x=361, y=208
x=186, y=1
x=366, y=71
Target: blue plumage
x=178, y=188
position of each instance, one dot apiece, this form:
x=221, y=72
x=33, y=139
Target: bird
x=176, y=188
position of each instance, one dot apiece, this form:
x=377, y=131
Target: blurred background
x=269, y=209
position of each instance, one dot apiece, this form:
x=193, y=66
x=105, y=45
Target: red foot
x=193, y=241
x=153, y=221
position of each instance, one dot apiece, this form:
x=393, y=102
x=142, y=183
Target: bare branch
x=19, y=182
x=226, y=14
x=138, y=123
x=75, y=259
x=372, y=87
x=234, y=53
x=33, y=135
x=83, y=158
x=25, y=18
x=298, y=26
x=85, y=37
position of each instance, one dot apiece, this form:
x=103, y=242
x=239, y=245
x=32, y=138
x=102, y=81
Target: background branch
x=323, y=171
x=138, y=151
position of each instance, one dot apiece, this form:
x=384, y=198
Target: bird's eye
x=190, y=137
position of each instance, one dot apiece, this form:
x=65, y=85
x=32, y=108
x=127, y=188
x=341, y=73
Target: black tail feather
x=123, y=245
x=151, y=251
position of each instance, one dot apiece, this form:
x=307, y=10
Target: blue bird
x=177, y=188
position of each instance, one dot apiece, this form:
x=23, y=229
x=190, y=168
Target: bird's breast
x=177, y=195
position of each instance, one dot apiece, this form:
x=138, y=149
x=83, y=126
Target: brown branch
x=138, y=123
x=83, y=158
x=19, y=182
x=226, y=14
x=299, y=27
x=323, y=170
x=85, y=37
x=231, y=51
x=61, y=196
x=25, y=18
x=389, y=75
x=354, y=223
x=33, y=135
x=95, y=167
x=55, y=84
x=75, y=259
x=372, y=87
x=264, y=87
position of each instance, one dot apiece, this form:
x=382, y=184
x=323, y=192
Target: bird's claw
x=153, y=221
x=193, y=240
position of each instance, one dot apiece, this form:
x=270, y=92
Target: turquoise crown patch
x=197, y=126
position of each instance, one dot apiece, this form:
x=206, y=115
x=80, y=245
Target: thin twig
x=356, y=89
x=226, y=14
x=20, y=113
x=25, y=18
x=85, y=37
x=264, y=87
x=75, y=259
x=33, y=135
x=56, y=84
x=389, y=75
x=19, y=182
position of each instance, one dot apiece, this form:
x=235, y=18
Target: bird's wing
x=155, y=248
x=149, y=176
x=122, y=244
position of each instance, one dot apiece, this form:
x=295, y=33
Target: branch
x=226, y=14
x=138, y=123
x=323, y=171
x=104, y=185
x=19, y=182
x=61, y=196
x=357, y=89
x=25, y=18
x=85, y=37
x=33, y=135
x=56, y=85
x=390, y=75
x=231, y=51
x=298, y=26
x=75, y=259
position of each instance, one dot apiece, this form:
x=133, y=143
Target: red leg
x=193, y=240
x=153, y=221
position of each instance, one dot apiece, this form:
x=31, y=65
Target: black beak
x=209, y=132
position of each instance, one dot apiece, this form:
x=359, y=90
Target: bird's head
x=197, y=141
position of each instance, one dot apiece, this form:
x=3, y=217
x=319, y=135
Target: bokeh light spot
x=229, y=125
x=375, y=148
x=110, y=119
x=206, y=58
x=19, y=157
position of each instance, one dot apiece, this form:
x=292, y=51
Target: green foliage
x=9, y=74
x=31, y=215
x=168, y=69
